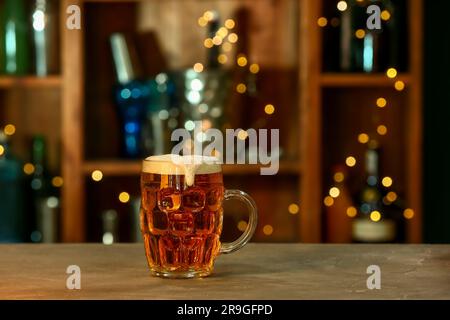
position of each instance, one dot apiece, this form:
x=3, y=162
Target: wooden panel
x=310, y=122
x=414, y=130
x=360, y=80
x=29, y=82
x=73, y=219
x=126, y=168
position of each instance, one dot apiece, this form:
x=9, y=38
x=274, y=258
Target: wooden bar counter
x=259, y=271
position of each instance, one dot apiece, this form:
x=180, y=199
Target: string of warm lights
x=226, y=43
x=364, y=138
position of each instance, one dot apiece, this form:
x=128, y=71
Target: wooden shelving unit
x=30, y=82
x=314, y=82
x=125, y=168
x=360, y=80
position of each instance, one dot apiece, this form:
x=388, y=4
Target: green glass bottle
x=45, y=199
x=40, y=181
x=12, y=213
x=15, y=52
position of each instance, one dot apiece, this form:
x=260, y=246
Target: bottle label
x=369, y=231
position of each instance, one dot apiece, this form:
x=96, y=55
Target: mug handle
x=252, y=221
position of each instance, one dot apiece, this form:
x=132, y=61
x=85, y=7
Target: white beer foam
x=189, y=166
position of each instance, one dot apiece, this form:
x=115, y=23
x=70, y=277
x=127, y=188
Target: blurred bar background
x=80, y=108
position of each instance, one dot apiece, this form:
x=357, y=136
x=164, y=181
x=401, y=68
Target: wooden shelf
x=360, y=80
x=127, y=168
x=7, y=82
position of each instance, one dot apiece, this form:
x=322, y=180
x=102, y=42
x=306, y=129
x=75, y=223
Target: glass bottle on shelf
x=363, y=50
x=45, y=199
x=12, y=211
x=373, y=223
x=131, y=94
x=45, y=37
x=15, y=50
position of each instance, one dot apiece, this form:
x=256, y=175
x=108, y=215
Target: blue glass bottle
x=131, y=99
x=12, y=213
x=131, y=95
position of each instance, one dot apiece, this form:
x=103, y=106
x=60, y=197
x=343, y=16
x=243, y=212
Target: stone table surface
x=259, y=271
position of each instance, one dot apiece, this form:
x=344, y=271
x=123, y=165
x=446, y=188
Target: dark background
x=437, y=122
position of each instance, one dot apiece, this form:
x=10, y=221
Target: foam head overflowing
x=189, y=166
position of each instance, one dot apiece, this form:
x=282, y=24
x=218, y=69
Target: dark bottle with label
x=12, y=211
x=373, y=223
x=131, y=94
x=45, y=200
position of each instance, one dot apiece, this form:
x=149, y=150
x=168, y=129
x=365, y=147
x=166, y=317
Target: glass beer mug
x=182, y=213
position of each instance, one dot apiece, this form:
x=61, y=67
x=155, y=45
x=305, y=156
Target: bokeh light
x=28, y=168
x=97, y=175
x=124, y=197
x=198, y=67
x=334, y=192
x=387, y=182
x=269, y=109
x=293, y=208
x=350, y=161
x=408, y=213
x=391, y=73
x=351, y=212
x=268, y=230
x=342, y=5
x=9, y=129
x=375, y=216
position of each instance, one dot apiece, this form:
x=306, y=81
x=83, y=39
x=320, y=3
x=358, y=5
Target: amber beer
x=181, y=215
